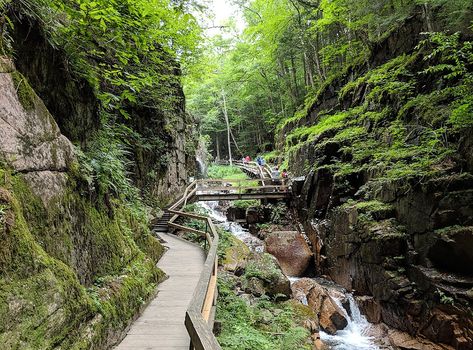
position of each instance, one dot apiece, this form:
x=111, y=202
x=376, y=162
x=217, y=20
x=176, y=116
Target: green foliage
x=264, y=325
x=225, y=172
x=226, y=241
x=444, y=299
x=104, y=166
x=454, y=62
x=278, y=212
x=126, y=49
x=245, y=204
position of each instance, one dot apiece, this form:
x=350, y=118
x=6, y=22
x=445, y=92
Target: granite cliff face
x=71, y=272
x=388, y=209
x=77, y=263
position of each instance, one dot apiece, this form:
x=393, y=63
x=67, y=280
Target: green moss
x=47, y=299
x=245, y=204
x=252, y=326
x=265, y=269
x=373, y=205
x=88, y=262
x=308, y=133
x=25, y=93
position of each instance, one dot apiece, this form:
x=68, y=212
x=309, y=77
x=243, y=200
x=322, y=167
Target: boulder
x=331, y=316
x=236, y=256
x=235, y=214
x=265, y=268
x=253, y=216
x=254, y=286
x=31, y=140
x=291, y=250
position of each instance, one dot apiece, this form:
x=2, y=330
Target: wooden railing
x=260, y=171
x=240, y=186
x=199, y=318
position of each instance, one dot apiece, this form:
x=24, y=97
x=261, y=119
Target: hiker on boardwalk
x=276, y=176
x=259, y=160
x=247, y=159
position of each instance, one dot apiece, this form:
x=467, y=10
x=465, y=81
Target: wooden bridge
x=182, y=315
x=252, y=169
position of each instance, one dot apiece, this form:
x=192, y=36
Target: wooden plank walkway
x=161, y=326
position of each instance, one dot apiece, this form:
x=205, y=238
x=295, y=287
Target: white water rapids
x=355, y=336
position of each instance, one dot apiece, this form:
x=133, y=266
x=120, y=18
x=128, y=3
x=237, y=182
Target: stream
x=355, y=336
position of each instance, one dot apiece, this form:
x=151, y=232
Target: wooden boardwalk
x=161, y=326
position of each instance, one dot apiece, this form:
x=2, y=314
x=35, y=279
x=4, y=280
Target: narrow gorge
x=321, y=152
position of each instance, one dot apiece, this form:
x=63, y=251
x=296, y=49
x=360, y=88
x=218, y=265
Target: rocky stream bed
x=341, y=324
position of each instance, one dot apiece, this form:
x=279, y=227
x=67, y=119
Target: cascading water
x=254, y=243
x=355, y=336
x=201, y=168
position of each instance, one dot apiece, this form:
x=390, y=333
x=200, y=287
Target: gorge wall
x=77, y=258
x=386, y=187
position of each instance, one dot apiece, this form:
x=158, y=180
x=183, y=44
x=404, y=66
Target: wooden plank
x=161, y=326
x=209, y=299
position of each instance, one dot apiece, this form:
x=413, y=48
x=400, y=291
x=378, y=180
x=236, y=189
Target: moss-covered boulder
x=265, y=268
x=236, y=255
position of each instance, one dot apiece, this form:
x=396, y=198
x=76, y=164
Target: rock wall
x=73, y=271
x=400, y=239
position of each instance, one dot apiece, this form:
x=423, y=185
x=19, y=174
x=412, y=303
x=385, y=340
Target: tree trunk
x=225, y=113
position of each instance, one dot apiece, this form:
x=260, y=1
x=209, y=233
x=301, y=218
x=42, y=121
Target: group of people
x=275, y=173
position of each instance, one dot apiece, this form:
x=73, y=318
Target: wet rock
x=404, y=341
x=291, y=250
x=331, y=316
x=370, y=308
x=253, y=216
x=235, y=214
x=453, y=249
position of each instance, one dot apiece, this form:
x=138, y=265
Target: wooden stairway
x=161, y=224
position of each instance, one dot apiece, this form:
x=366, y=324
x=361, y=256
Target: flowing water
x=355, y=336
x=201, y=168
x=254, y=243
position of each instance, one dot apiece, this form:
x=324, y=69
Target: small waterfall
x=201, y=168
x=254, y=243
x=355, y=336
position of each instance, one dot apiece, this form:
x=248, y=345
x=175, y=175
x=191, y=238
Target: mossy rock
x=26, y=95
x=42, y=299
x=236, y=256
x=265, y=267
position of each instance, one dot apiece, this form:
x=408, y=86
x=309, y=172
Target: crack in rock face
x=31, y=142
